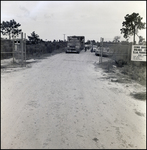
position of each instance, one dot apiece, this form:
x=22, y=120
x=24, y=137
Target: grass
x=137, y=73
x=129, y=71
x=126, y=74
x=139, y=95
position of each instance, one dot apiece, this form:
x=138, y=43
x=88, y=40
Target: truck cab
x=75, y=44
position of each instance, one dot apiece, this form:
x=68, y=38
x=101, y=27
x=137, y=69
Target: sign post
x=25, y=47
x=101, y=48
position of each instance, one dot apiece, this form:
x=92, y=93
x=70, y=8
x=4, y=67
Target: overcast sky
x=92, y=19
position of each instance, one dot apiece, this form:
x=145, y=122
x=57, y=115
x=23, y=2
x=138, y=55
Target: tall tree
x=10, y=28
x=131, y=25
x=116, y=39
x=34, y=38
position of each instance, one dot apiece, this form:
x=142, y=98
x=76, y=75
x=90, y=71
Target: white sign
x=138, y=53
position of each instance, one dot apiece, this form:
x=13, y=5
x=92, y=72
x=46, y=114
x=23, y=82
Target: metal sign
x=17, y=44
x=138, y=53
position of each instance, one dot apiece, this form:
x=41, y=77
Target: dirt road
x=63, y=102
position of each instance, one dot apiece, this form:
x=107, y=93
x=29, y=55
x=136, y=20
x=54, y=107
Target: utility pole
x=64, y=37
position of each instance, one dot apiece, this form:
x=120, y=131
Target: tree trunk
x=9, y=36
x=134, y=36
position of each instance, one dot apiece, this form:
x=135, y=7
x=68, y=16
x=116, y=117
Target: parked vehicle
x=87, y=47
x=105, y=52
x=75, y=44
x=98, y=52
x=93, y=48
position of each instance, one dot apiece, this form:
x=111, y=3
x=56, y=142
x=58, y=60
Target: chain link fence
x=13, y=52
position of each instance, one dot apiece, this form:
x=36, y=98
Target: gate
x=19, y=50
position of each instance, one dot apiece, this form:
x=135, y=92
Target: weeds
x=139, y=95
x=131, y=71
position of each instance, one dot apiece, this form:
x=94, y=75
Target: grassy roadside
x=126, y=74
x=137, y=73
x=8, y=63
x=43, y=55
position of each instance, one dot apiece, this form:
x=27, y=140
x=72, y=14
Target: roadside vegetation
x=132, y=72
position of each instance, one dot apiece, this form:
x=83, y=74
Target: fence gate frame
x=19, y=48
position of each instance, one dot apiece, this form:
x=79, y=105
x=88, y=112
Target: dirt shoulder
x=128, y=75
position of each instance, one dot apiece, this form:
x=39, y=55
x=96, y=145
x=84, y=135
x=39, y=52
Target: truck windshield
x=73, y=42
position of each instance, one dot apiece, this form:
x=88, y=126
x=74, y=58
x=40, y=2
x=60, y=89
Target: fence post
x=101, y=48
x=129, y=52
x=25, y=47
x=21, y=48
x=13, y=47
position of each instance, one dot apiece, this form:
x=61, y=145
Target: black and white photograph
x=73, y=74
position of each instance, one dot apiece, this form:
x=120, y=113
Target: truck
x=75, y=43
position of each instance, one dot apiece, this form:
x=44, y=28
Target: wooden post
x=13, y=49
x=100, y=51
x=25, y=47
x=129, y=52
x=21, y=48
x=101, y=48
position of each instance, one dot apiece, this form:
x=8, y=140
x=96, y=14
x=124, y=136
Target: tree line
x=130, y=27
x=34, y=44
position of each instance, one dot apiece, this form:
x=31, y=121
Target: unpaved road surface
x=63, y=102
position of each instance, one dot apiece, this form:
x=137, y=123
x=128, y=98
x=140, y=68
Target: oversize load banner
x=138, y=53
